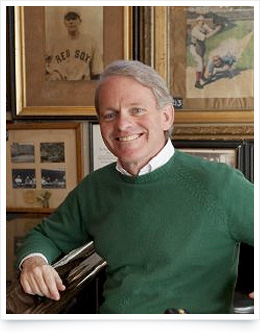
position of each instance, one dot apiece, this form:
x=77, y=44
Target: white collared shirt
x=156, y=162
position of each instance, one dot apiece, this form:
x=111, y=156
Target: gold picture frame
x=163, y=39
x=37, y=97
x=43, y=164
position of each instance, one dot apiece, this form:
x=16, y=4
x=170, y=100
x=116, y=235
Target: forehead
x=124, y=86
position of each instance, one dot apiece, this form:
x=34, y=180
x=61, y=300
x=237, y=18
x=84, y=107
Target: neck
x=134, y=168
x=74, y=34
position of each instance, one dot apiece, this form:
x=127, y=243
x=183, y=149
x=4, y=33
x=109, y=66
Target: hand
x=251, y=295
x=37, y=277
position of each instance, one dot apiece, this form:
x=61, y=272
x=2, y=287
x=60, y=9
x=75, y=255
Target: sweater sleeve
x=238, y=200
x=59, y=233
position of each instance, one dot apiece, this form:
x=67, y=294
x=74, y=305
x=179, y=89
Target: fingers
x=54, y=284
x=251, y=295
x=59, y=283
x=43, y=281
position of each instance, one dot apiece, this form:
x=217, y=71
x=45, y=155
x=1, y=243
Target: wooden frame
x=10, y=77
x=35, y=96
x=224, y=132
x=100, y=156
x=162, y=44
x=43, y=164
x=249, y=160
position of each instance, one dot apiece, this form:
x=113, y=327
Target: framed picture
x=59, y=56
x=228, y=152
x=100, y=156
x=43, y=164
x=204, y=91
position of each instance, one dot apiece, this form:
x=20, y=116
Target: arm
x=241, y=219
x=56, y=235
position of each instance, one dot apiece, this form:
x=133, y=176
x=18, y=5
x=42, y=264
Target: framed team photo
x=59, y=56
x=43, y=164
x=231, y=153
x=206, y=77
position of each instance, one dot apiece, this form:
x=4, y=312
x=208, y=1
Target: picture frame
x=167, y=38
x=249, y=160
x=220, y=132
x=10, y=77
x=43, y=164
x=36, y=96
x=100, y=156
x=228, y=152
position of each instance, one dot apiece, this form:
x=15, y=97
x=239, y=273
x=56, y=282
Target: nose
x=124, y=121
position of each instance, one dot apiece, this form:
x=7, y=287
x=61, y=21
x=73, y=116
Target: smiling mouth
x=128, y=138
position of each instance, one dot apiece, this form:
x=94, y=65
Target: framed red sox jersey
x=60, y=52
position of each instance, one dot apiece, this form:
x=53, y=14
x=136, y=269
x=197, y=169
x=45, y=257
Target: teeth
x=128, y=138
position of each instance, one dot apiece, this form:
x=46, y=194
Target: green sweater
x=170, y=237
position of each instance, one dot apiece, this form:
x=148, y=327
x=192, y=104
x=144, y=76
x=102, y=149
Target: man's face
x=131, y=125
x=72, y=22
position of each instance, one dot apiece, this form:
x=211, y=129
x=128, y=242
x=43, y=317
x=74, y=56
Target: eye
x=109, y=115
x=137, y=110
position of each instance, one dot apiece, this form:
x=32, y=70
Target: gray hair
x=143, y=74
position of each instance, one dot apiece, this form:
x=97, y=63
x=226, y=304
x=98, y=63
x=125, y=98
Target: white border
x=226, y=326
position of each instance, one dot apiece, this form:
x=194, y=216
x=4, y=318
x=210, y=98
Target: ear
x=167, y=117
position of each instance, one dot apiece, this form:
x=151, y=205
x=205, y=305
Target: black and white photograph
x=53, y=179
x=52, y=152
x=74, y=50
x=227, y=156
x=22, y=152
x=24, y=178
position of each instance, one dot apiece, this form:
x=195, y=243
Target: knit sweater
x=170, y=237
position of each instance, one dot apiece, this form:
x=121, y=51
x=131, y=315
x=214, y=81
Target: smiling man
x=167, y=223
x=131, y=125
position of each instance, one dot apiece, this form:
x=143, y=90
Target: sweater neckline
x=149, y=176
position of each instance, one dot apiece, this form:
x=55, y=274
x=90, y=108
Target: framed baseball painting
x=59, y=56
x=206, y=55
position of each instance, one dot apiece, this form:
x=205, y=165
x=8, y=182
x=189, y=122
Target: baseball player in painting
x=199, y=33
x=220, y=64
x=76, y=57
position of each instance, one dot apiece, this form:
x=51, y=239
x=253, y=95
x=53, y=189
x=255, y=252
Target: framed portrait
x=100, y=156
x=206, y=55
x=59, y=56
x=228, y=152
x=43, y=164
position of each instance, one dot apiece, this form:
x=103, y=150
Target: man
x=168, y=224
x=221, y=64
x=75, y=57
x=199, y=33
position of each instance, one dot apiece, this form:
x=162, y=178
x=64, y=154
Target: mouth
x=128, y=138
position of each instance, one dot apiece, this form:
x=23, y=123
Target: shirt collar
x=156, y=162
